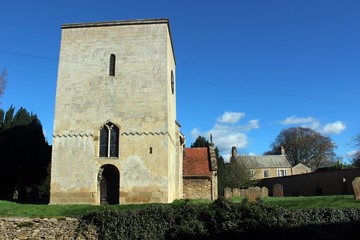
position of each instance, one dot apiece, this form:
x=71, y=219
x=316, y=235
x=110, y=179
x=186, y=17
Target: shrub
x=148, y=223
x=220, y=219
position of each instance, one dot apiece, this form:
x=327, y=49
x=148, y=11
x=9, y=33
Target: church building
x=116, y=139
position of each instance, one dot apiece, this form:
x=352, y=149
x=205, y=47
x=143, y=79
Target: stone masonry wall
x=197, y=188
x=36, y=228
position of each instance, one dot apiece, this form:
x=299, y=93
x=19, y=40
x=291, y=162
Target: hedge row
x=223, y=220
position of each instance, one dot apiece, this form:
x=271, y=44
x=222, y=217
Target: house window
x=251, y=173
x=281, y=172
x=266, y=173
x=112, y=65
x=109, y=141
x=172, y=82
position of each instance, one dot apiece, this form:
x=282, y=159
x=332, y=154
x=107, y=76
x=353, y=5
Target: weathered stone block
x=257, y=191
x=236, y=192
x=264, y=192
x=228, y=193
x=252, y=194
x=243, y=192
x=356, y=187
x=278, y=190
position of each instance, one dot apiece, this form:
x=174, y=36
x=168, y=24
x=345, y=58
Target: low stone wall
x=38, y=228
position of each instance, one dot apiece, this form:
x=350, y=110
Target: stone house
x=267, y=166
x=116, y=139
x=200, y=173
x=300, y=169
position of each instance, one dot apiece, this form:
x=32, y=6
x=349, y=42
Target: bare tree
x=3, y=76
x=356, y=156
x=304, y=145
x=237, y=173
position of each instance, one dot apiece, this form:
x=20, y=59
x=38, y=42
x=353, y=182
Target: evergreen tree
x=25, y=154
x=200, y=142
x=2, y=113
x=221, y=175
x=22, y=117
x=9, y=118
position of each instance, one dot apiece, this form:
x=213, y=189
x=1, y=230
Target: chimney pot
x=282, y=150
x=234, y=152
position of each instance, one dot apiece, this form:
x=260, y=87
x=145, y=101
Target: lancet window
x=109, y=141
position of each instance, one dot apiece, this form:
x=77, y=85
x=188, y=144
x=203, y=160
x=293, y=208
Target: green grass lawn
x=340, y=201
x=12, y=209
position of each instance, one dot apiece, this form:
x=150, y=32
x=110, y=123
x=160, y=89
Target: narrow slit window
x=172, y=82
x=112, y=65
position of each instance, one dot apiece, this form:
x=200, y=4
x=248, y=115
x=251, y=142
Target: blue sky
x=246, y=69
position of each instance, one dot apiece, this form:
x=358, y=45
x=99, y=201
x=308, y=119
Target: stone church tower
x=116, y=138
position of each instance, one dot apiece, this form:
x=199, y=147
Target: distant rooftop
x=266, y=161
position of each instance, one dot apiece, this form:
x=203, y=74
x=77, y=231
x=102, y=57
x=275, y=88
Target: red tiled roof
x=196, y=162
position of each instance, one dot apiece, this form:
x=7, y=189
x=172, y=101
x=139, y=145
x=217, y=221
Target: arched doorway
x=109, y=185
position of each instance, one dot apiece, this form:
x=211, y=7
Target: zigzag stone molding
x=73, y=135
x=91, y=135
x=143, y=133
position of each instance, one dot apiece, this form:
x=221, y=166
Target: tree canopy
x=25, y=154
x=200, y=142
x=237, y=175
x=304, y=145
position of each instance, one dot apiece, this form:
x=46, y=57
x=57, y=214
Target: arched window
x=112, y=65
x=109, y=141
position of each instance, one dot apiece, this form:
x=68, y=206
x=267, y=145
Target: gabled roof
x=196, y=162
x=300, y=165
x=266, y=161
x=300, y=168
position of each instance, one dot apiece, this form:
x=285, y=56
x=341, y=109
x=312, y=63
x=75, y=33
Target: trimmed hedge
x=223, y=220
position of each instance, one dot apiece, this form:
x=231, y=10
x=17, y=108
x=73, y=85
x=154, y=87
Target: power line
x=277, y=93
x=29, y=55
x=190, y=80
